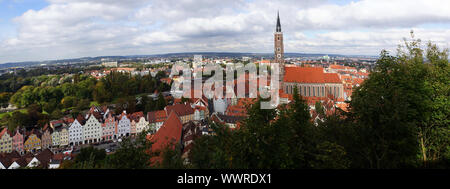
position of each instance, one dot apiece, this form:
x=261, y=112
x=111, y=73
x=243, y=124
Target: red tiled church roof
x=170, y=132
x=309, y=75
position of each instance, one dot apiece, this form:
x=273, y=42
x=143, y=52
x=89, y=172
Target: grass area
x=94, y=103
x=10, y=113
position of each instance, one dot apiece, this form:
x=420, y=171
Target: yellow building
x=5, y=141
x=33, y=142
x=64, y=137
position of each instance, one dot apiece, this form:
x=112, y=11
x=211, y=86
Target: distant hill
x=168, y=55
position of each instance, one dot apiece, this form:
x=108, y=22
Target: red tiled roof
x=5, y=130
x=136, y=116
x=309, y=75
x=156, y=116
x=236, y=110
x=44, y=157
x=180, y=109
x=68, y=120
x=169, y=133
x=80, y=119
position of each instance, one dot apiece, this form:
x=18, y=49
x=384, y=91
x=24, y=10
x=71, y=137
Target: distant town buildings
x=110, y=64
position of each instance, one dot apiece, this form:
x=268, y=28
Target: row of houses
x=43, y=159
x=99, y=124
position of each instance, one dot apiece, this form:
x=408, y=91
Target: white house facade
x=123, y=128
x=92, y=130
x=75, y=133
x=141, y=125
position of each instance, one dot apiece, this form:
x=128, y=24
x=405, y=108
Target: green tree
x=171, y=158
x=132, y=154
x=399, y=110
x=69, y=101
x=4, y=99
x=161, y=102
x=90, y=157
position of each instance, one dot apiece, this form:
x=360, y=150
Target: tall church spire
x=278, y=22
x=279, y=50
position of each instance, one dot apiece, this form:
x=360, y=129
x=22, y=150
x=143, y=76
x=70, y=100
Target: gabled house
x=134, y=120
x=56, y=137
x=123, y=128
x=76, y=131
x=46, y=139
x=138, y=123
x=17, y=142
x=109, y=127
x=33, y=141
x=63, y=136
x=92, y=129
x=6, y=141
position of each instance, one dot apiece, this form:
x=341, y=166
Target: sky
x=35, y=30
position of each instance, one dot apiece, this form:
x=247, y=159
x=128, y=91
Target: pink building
x=109, y=128
x=18, y=142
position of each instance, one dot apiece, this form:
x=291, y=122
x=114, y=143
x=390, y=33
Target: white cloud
x=366, y=42
x=77, y=28
x=375, y=13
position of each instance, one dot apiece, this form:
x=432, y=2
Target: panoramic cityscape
x=224, y=85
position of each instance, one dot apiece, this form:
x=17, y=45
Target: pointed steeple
x=278, y=22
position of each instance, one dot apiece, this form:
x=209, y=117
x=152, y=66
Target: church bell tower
x=279, y=49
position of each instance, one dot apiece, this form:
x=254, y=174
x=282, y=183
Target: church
x=311, y=82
